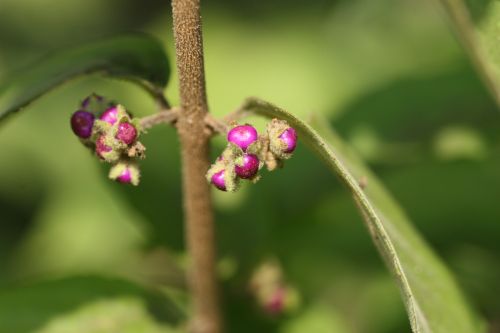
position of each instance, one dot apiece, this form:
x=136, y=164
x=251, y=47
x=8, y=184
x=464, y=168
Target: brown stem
x=199, y=221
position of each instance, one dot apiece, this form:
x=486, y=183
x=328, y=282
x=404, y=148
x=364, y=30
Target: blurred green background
x=390, y=77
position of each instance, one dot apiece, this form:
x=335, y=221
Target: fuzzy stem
x=194, y=139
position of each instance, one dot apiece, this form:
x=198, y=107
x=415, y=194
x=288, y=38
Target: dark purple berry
x=101, y=147
x=242, y=136
x=125, y=177
x=289, y=136
x=219, y=181
x=249, y=166
x=110, y=115
x=81, y=124
x=126, y=133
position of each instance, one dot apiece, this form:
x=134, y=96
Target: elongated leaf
x=433, y=300
x=137, y=57
x=476, y=24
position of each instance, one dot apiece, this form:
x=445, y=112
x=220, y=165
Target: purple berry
x=248, y=167
x=242, y=136
x=219, y=181
x=126, y=133
x=289, y=136
x=125, y=177
x=110, y=115
x=101, y=147
x=81, y=124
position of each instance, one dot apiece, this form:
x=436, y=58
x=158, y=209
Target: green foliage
x=37, y=304
x=400, y=107
x=433, y=300
x=122, y=315
x=138, y=58
x=476, y=23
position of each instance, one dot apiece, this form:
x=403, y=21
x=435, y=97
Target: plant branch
x=215, y=125
x=221, y=126
x=166, y=116
x=194, y=139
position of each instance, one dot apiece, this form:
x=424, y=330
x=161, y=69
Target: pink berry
x=276, y=303
x=81, y=124
x=126, y=133
x=249, y=166
x=243, y=136
x=110, y=115
x=219, y=181
x=101, y=147
x=125, y=177
x=289, y=136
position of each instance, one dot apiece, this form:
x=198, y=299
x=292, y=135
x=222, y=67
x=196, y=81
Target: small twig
x=165, y=116
x=215, y=125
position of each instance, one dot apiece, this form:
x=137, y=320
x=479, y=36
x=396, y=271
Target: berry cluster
x=111, y=132
x=247, y=152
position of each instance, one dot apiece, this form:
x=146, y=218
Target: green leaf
x=476, y=24
x=138, y=58
x=26, y=308
x=432, y=298
x=120, y=315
